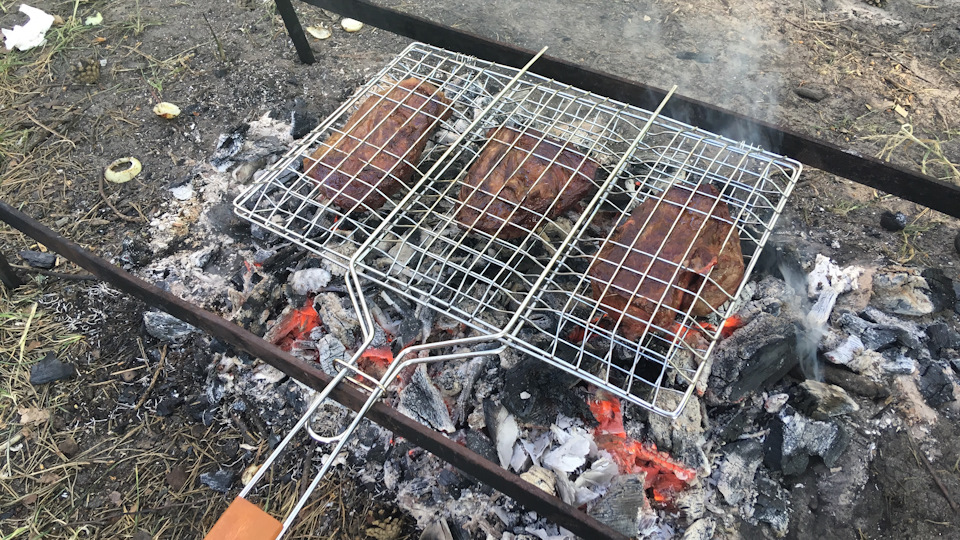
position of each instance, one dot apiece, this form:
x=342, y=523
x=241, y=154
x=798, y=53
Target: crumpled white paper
x=31, y=34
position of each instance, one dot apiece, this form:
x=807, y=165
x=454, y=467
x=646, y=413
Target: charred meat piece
x=520, y=177
x=374, y=155
x=645, y=275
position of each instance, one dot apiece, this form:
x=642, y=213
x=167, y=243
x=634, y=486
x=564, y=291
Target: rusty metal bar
x=459, y=456
x=904, y=183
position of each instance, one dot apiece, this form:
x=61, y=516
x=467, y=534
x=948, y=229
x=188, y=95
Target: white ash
x=340, y=321
x=308, y=280
x=420, y=399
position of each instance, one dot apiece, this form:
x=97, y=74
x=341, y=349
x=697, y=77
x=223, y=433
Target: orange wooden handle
x=244, y=520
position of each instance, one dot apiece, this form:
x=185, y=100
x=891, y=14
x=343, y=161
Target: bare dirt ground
x=92, y=457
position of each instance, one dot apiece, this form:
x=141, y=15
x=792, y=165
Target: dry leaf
x=33, y=415
x=29, y=500
x=49, y=478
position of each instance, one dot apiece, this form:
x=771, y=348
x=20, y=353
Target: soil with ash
x=887, y=78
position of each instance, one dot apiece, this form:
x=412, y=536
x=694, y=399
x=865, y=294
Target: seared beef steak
x=645, y=274
x=375, y=154
x=520, y=177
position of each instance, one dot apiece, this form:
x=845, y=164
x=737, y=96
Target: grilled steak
x=374, y=156
x=651, y=276
x=520, y=177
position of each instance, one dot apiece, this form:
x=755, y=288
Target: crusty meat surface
x=638, y=281
x=520, y=177
x=353, y=171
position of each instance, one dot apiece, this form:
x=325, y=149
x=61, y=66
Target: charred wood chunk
x=653, y=264
x=374, y=156
x=521, y=178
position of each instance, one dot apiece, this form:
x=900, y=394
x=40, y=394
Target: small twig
x=156, y=375
x=41, y=271
x=220, y=53
x=933, y=473
x=114, y=208
x=51, y=130
x=244, y=430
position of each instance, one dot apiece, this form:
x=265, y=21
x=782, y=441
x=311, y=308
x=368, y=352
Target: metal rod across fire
x=457, y=455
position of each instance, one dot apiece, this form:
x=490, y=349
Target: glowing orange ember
x=731, y=325
x=664, y=475
x=294, y=325
x=375, y=361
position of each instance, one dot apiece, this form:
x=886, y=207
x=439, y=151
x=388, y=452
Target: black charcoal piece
x=794, y=439
x=739, y=466
x=166, y=327
x=893, y=222
x=935, y=386
x=220, y=480
x=760, y=353
x=50, y=369
x=37, y=259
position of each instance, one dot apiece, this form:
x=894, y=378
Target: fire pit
x=587, y=285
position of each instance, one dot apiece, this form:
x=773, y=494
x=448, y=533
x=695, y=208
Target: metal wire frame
x=569, y=328
x=288, y=201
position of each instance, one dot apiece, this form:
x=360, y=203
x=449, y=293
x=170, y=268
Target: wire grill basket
x=467, y=236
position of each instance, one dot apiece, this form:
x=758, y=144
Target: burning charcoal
x=942, y=337
x=702, y=529
x=340, y=321
x=772, y=505
x=893, y=222
x=51, y=369
x=935, y=386
x=740, y=464
x=621, y=506
x=794, y=438
x=166, y=327
x=760, y=353
x=683, y=436
x=37, y=259
x=309, y=280
x=503, y=429
x=220, y=480
x=821, y=401
x=421, y=400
